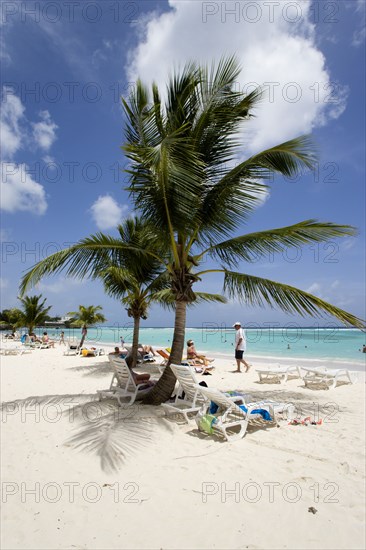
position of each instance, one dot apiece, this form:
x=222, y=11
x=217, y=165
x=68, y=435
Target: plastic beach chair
x=231, y=419
x=123, y=385
x=165, y=356
x=276, y=374
x=193, y=399
x=322, y=376
x=72, y=348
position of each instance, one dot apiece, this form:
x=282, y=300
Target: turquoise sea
x=327, y=344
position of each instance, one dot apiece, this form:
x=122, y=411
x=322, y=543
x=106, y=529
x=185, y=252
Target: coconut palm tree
x=34, y=312
x=86, y=316
x=188, y=180
x=138, y=282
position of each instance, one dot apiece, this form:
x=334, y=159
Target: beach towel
x=262, y=412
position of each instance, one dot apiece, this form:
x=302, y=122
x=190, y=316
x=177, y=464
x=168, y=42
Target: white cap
x=237, y=323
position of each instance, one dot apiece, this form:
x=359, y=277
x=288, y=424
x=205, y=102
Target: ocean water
x=332, y=344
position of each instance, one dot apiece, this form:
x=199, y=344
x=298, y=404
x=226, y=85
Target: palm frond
x=238, y=192
x=85, y=259
x=256, y=291
x=254, y=246
x=166, y=299
x=208, y=297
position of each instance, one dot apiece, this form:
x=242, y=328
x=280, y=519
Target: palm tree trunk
x=165, y=386
x=82, y=340
x=135, y=340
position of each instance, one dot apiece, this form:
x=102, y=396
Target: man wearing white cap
x=240, y=346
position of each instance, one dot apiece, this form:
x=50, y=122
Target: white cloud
x=334, y=292
x=47, y=159
x=275, y=45
x=315, y=289
x=61, y=285
x=107, y=213
x=44, y=132
x=12, y=114
x=19, y=191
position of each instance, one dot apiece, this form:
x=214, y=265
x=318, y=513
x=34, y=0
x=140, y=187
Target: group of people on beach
x=192, y=355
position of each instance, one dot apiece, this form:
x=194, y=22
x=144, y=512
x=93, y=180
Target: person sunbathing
x=146, y=349
x=192, y=355
x=141, y=378
x=46, y=340
x=119, y=352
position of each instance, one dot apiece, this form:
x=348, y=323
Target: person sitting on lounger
x=119, y=352
x=141, y=378
x=146, y=349
x=46, y=340
x=192, y=355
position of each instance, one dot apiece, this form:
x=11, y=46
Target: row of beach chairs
x=228, y=413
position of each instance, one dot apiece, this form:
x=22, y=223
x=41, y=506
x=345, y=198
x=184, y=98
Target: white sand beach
x=81, y=474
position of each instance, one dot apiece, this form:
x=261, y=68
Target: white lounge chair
x=193, y=399
x=316, y=376
x=276, y=374
x=72, y=348
x=123, y=385
x=91, y=352
x=231, y=415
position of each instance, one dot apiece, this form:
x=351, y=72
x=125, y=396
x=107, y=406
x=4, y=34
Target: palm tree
x=135, y=282
x=184, y=184
x=140, y=281
x=86, y=316
x=10, y=318
x=184, y=181
x=34, y=312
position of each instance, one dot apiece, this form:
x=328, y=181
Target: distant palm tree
x=10, y=318
x=86, y=316
x=34, y=312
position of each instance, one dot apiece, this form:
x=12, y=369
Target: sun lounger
x=165, y=356
x=231, y=419
x=193, y=399
x=316, y=376
x=276, y=374
x=185, y=362
x=123, y=385
x=72, y=348
x=92, y=352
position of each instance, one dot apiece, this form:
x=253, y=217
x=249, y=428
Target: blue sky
x=65, y=64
